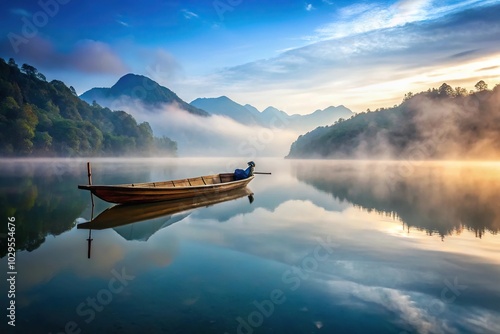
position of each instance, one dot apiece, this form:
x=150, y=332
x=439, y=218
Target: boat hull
x=167, y=190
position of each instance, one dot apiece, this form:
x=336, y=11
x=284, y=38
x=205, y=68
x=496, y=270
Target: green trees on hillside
x=48, y=119
x=442, y=122
x=17, y=126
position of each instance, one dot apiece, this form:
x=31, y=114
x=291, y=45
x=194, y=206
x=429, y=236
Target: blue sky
x=298, y=56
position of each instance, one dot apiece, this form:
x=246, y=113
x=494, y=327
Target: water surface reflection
x=328, y=235
x=443, y=198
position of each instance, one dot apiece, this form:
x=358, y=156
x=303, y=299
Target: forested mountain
x=138, y=87
x=40, y=118
x=447, y=122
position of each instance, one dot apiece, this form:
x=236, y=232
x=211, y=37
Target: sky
x=298, y=56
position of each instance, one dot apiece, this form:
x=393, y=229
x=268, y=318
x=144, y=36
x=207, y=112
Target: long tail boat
x=167, y=190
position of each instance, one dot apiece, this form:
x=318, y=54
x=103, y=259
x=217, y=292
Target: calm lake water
x=325, y=247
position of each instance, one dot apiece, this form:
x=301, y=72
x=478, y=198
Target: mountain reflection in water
x=442, y=198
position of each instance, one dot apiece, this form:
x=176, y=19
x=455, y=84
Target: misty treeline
x=40, y=118
x=442, y=123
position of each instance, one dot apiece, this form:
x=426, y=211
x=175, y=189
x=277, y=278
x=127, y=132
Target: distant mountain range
x=224, y=106
x=229, y=129
x=141, y=88
x=138, y=87
x=271, y=117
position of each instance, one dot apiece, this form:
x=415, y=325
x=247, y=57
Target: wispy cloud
x=161, y=66
x=123, y=23
x=375, y=66
x=122, y=20
x=189, y=14
x=86, y=56
x=361, y=18
x=366, y=17
x=95, y=57
x=309, y=7
x=401, y=303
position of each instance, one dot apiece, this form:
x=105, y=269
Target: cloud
x=410, y=11
x=189, y=14
x=123, y=20
x=123, y=23
x=160, y=65
x=400, y=303
x=365, y=17
x=95, y=57
x=373, y=67
x=87, y=56
x=464, y=53
x=309, y=7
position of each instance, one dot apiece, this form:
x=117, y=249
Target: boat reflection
x=153, y=216
x=123, y=214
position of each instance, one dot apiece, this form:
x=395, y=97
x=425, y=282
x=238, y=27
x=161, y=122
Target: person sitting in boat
x=240, y=174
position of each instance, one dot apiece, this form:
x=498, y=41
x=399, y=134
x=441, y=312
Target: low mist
x=458, y=128
x=210, y=136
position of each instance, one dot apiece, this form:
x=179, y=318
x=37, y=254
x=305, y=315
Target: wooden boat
x=167, y=190
x=124, y=214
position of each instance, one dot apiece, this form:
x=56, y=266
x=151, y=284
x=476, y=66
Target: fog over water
x=211, y=136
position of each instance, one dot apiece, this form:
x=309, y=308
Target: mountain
x=320, y=117
x=444, y=123
x=149, y=92
x=40, y=118
x=226, y=107
x=209, y=136
x=133, y=86
x=254, y=111
x=271, y=117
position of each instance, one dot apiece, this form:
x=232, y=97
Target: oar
x=263, y=173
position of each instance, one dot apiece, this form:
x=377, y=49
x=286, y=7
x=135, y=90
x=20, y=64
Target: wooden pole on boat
x=89, y=240
x=89, y=172
x=263, y=173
